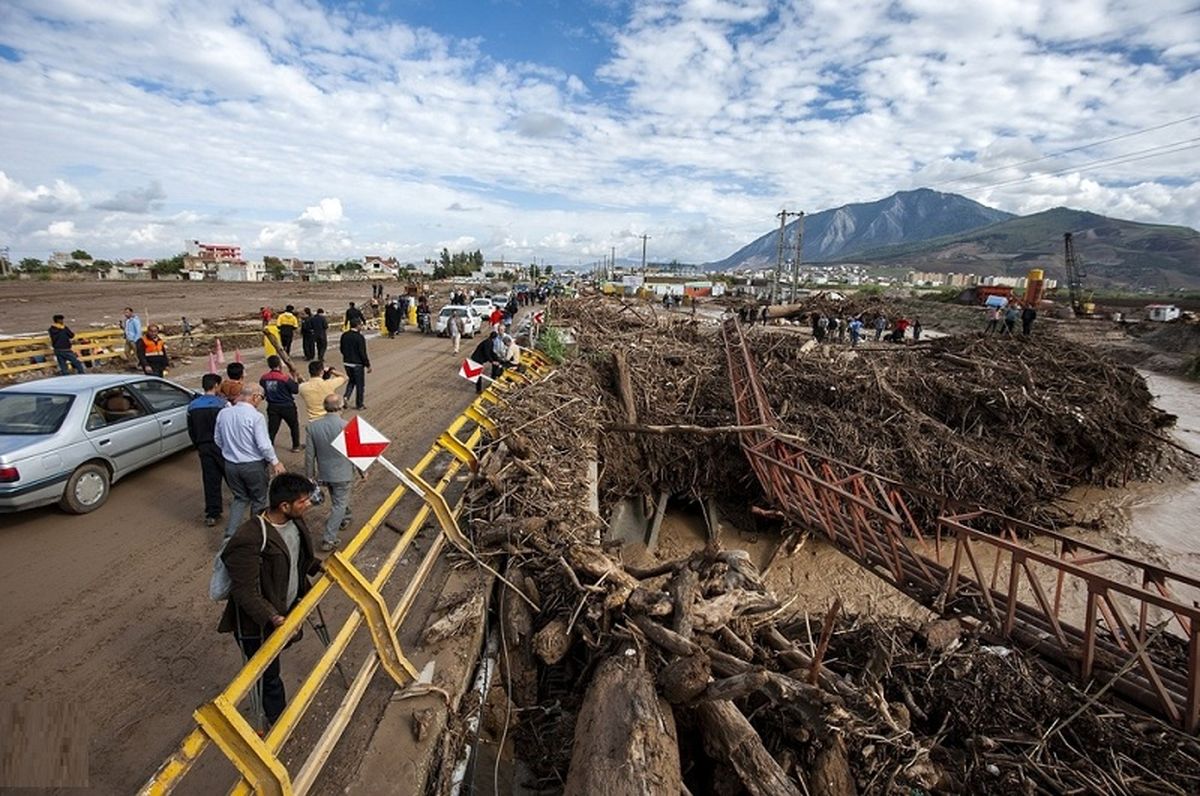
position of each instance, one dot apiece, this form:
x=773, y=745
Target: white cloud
x=709, y=116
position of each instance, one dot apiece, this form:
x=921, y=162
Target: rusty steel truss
x=1116, y=622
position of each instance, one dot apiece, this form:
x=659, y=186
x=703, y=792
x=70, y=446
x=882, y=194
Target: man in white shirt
x=242, y=436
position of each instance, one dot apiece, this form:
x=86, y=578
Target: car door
x=169, y=405
x=122, y=429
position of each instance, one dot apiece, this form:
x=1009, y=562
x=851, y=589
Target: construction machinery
x=1079, y=305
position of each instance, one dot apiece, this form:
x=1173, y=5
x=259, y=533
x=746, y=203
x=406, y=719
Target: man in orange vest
x=152, y=352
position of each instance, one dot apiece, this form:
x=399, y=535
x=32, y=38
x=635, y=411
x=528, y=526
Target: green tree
x=169, y=265
x=477, y=260
x=548, y=270
x=274, y=267
x=80, y=254
x=32, y=264
x=445, y=258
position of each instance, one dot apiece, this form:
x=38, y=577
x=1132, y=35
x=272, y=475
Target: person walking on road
x=152, y=352
x=325, y=465
x=353, y=314
x=287, y=323
x=320, y=332
x=269, y=559
x=456, y=328
x=202, y=428
x=241, y=434
x=64, y=351
x=391, y=318
x=131, y=325
x=356, y=361
x=306, y=335
x=322, y=381
x=281, y=389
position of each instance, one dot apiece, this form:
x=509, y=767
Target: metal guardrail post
x=374, y=611
x=235, y=737
x=455, y=448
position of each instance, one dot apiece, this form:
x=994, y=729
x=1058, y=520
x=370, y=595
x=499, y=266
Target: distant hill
x=902, y=218
x=1115, y=253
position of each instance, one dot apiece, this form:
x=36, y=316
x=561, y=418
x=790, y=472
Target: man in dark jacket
x=353, y=313
x=60, y=340
x=354, y=357
x=391, y=318
x=485, y=352
x=320, y=333
x=280, y=390
x=306, y=335
x=269, y=559
x=202, y=427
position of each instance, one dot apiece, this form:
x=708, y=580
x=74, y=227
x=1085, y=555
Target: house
x=376, y=267
x=204, y=260
x=1161, y=312
x=239, y=271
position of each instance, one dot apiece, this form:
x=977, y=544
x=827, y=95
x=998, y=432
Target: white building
x=240, y=272
x=1161, y=312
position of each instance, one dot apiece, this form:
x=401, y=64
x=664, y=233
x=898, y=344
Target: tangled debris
x=689, y=675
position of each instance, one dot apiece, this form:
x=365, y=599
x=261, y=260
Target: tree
x=548, y=270
x=32, y=264
x=169, y=265
x=477, y=260
x=274, y=266
x=445, y=258
x=80, y=254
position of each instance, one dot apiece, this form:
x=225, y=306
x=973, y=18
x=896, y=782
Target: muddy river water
x=1169, y=517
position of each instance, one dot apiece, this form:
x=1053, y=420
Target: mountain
x=1115, y=252
x=904, y=217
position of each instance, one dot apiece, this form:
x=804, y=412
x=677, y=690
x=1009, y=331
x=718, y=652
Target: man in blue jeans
x=325, y=465
x=60, y=340
x=250, y=459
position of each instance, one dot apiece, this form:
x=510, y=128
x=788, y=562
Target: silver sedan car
x=67, y=439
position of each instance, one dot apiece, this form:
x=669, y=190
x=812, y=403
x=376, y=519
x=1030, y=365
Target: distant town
x=225, y=263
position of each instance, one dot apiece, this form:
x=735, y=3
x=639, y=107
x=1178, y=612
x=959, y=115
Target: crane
x=1075, y=276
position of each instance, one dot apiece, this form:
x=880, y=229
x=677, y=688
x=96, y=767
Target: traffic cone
x=212, y=363
x=220, y=353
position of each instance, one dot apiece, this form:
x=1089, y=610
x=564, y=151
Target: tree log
x=552, y=641
x=729, y=738
x=625, y=386
x=517, y=662
x=831, y=775
x=625, y=741
x=736, y=687
x=684, y=678
x=682, y=588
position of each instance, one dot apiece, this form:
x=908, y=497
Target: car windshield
x=33, y=413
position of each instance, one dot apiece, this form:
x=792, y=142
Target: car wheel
x=87, y=488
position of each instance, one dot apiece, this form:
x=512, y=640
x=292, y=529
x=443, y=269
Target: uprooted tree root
x=691, y=673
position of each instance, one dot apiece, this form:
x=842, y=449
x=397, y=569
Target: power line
x=1128, y=157
x=1062, y=152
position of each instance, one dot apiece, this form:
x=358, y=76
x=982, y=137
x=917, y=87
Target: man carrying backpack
x=269, y=559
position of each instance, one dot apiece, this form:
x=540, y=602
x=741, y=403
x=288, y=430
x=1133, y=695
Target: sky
x=560, y=131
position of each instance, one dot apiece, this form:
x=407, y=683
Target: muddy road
x=110, y=612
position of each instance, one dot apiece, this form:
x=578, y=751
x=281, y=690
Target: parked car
x=500, y=300
x=472, y=320
x=483, y=305
x=67, y=439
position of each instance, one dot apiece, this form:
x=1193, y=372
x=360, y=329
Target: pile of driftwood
x=689, y=675
x=1008, y=423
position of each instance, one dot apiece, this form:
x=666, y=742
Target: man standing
x=321, y=382
x=993, y=320
x=320, y=332
x=353, y=314
x=269, y=559
x=855, y=326
x=287, y=323
x=324, y=464
x=1010, y=319
x=456, y=327
x=231, y=386
x=202, y=427
x=354, y=358
x=391, y=318
x=60, y=340
x=1028, y=316
x=306, y=335
x=280, y=389
x=241, y=434
x=880, y=325
x=152, y=352
x=132, y=326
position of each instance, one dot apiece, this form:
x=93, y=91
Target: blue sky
x=560, y=130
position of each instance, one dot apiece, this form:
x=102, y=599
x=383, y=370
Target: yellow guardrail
x=22, y=354
x=219, y=721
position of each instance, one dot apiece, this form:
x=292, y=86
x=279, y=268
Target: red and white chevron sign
x=471, y=370
x=539, y=317
x=360, y=442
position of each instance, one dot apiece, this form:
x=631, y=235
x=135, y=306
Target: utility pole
x=644, y=238
x=796, y=261
x=613, y=260
x=783, y=216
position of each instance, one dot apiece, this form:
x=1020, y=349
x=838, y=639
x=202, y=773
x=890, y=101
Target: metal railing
x=1090, y=610
x=220, y=722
